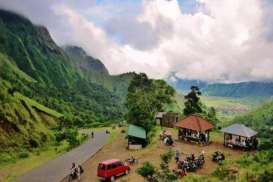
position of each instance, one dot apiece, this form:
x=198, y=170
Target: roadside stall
x=136, y=137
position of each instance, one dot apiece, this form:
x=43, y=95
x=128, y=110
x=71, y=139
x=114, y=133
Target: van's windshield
x=102, y=167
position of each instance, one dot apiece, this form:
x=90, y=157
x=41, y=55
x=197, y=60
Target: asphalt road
x=57, y=169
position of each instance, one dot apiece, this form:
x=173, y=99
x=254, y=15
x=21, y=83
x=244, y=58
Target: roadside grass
x=10, y=171
x=114, y=131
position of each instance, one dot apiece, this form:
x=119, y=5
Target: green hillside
x=23, y=122
x=261, y=118
x=36, y=74
x=94, y=71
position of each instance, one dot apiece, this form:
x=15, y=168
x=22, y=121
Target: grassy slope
x=226, y=108
x=9, y=172
x=24, y=122
x=38, y=106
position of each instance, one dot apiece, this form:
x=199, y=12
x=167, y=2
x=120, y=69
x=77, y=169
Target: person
x=79, y=171
x=165, y=140
x=73, y=171
x=92, y=134
x=192, y=156
x=206, y=137
x=177, y=156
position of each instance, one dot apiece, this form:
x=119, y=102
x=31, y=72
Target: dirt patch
x=117, y=149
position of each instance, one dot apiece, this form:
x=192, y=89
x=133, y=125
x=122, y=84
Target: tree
x=192, y=101
x=145, y=98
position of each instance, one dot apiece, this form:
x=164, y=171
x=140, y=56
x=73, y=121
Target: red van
x=109, y=169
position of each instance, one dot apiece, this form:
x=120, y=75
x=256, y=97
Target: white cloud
x=227, y=40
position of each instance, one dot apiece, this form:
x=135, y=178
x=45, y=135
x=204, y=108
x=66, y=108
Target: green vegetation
x=145, y=98
x=192, y=102
x=12, y=166
x=153, y=174
x=44, y=87
x=252, y=166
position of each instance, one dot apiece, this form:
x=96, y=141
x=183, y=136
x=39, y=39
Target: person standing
x=177, y=156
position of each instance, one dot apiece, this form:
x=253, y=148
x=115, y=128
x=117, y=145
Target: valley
x=52, y=97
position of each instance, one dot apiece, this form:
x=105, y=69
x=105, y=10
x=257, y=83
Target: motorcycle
x=218, y=157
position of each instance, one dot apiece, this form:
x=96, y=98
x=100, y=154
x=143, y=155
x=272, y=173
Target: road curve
x=56, y=169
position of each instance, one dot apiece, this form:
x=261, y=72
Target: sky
x=211, y=40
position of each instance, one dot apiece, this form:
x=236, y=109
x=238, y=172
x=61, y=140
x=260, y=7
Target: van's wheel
x=126, y=172
x=112, y=178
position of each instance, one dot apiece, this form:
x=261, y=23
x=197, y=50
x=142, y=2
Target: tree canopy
x=145, y=98
x=192, y=101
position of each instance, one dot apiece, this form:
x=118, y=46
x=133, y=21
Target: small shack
x=136, y=137
x=240, y=136
x=194, y=128
x=166, y=119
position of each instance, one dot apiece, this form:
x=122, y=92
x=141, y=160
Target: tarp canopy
x=240, y=130
x=136, y=131
x=195, y=123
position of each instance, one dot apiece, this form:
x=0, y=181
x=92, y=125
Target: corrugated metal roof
x=195, y=123
x=240, y=130
x=136, y=131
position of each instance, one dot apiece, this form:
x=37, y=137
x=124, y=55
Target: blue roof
x=240, y=130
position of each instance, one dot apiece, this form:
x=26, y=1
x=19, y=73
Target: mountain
x=243, y=89
x=70, y=82
x=236, y=90
x=95, y=71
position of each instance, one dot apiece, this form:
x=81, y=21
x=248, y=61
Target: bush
x=266, y=144
x=146, y=170
x=23, y=155
x=6, y=158
x=266, y=177
x=71, y=135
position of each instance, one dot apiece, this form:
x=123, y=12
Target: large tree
x=192, y=101
x=145, y=98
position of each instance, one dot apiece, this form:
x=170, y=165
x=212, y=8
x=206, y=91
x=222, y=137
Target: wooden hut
x=194, y=128
x=136, y=137
x=240, y=136
x=166, y=119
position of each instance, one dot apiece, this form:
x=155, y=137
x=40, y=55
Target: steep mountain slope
x=94, y=71
x=33, y=66
x=23, y=122
x=88, y=67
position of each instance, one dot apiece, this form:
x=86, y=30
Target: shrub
x=146, y=170
x=266, y=144
x=23, y=155
x=6, y=158
x=265, y=177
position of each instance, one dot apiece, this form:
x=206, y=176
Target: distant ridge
x=237, y=90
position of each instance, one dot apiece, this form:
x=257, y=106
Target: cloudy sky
x=214, y=40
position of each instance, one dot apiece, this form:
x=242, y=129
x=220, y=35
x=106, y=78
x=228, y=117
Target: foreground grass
x=9, y=172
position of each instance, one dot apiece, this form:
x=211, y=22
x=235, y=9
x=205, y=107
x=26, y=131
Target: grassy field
x=9, y=171
x=225, y=107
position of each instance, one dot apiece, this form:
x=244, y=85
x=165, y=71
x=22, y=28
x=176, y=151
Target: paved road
x=56, y=169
